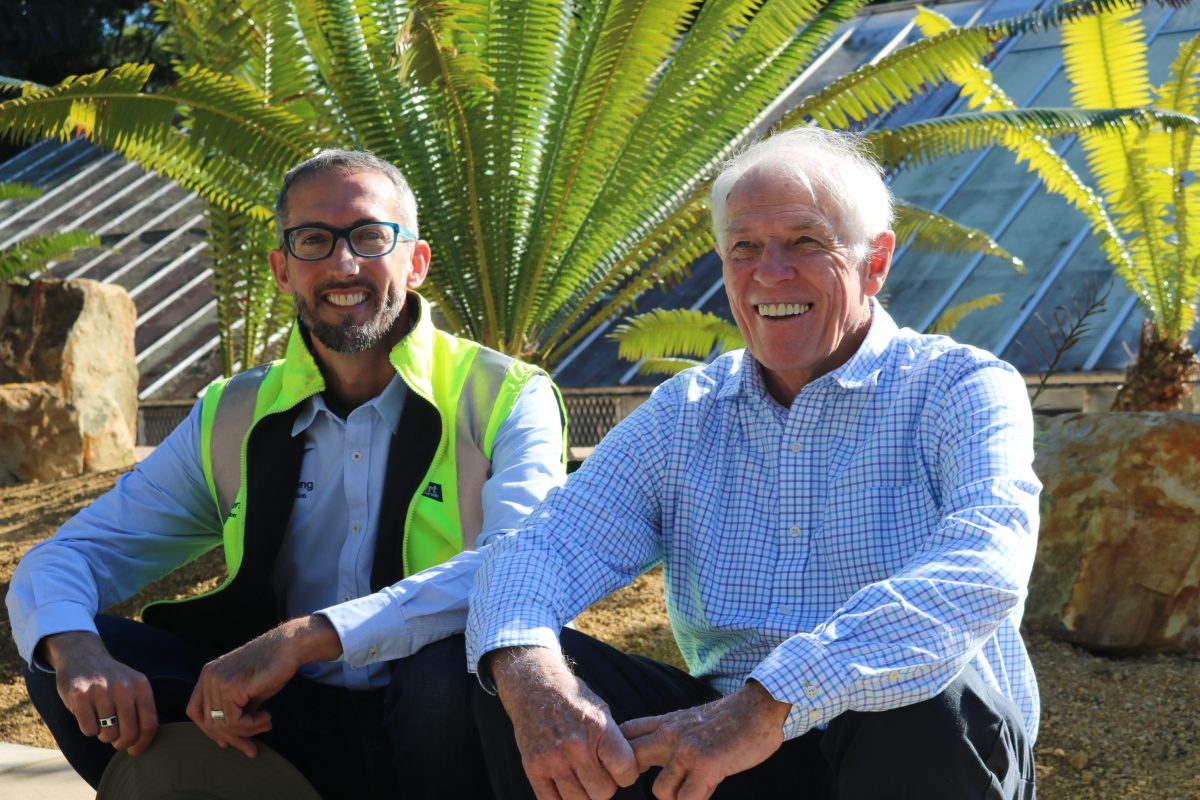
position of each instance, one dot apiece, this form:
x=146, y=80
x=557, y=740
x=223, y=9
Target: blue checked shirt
x=852, y=552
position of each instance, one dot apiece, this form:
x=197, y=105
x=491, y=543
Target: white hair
x=833, y=166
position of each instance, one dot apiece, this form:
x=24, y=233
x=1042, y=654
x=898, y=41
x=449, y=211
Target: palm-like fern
x=957, y=54
x=1144, y=182
x=34, y=253
x=559, y=150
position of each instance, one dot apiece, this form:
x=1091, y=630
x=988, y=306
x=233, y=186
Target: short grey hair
x=347, y=162
x=835, y=168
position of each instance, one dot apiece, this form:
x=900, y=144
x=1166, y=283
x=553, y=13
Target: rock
x=39, y=434
x=1118, y=562
x=77, y=336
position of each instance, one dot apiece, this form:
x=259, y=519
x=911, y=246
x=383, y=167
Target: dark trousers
x=380, y=743
x=968, y=742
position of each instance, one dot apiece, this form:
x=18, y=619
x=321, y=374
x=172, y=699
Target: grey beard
x=347, y=337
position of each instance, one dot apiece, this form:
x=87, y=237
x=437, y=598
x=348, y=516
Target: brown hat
x=184, y=764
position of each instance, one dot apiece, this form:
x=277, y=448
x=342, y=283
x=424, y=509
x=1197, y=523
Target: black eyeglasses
x=366, y=239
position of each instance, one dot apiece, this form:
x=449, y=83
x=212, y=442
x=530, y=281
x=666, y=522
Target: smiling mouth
x=351, y=299
x=783, y=309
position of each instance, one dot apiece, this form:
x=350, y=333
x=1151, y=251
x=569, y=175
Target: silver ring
x=107, y=722
x=217, y=715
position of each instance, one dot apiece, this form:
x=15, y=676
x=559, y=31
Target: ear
x=419, y=263
x=278, y=261
x=879, y=262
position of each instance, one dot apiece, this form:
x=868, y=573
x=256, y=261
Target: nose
x=775, y=266
x=342, y=257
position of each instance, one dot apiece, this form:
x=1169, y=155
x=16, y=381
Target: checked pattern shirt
x=852, y=552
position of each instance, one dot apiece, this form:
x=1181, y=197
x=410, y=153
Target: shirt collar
x=863, y=368
x=387, y=404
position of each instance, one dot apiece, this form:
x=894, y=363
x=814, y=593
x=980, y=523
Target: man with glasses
x=350, y=485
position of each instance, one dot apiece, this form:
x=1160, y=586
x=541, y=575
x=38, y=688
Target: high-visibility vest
x=459, y=394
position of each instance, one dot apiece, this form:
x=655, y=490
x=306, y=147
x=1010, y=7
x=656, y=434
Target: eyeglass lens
x=371, y=239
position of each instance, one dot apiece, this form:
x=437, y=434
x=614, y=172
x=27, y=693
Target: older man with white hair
x=846, y=514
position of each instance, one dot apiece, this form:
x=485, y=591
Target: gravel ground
x=1111, y=727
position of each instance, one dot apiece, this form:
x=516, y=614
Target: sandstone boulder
x=40, y=438
x=76, y=336
x=1118, y=563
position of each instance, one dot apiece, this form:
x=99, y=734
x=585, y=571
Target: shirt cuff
x=801, y=671
x=528, y=637
x=371, y=629
x=52, y=618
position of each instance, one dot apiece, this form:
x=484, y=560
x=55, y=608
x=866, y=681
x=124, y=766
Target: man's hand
x=570, y=745
x=235, y=684
x=93, y=686
x=700, y=747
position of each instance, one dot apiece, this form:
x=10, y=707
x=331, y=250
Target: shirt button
x=356, y=456
x=811, y=691
x=794, y=530
x=346, y=598
x=356, y=527
x=373, y=652
x=785, y=610
x=796, y=447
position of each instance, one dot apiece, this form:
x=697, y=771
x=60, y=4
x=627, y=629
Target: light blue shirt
x=852, y=552
x=161, y=515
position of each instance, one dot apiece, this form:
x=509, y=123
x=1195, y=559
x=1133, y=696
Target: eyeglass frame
x=344, y=233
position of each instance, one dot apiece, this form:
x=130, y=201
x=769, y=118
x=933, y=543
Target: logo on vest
x=433, y=491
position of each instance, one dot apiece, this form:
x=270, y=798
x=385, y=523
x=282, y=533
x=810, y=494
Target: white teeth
x=783, y=309
x=346, y=299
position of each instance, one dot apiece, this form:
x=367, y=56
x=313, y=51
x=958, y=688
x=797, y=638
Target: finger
x=617, y=757
x=147, y=716
x=642, y=726
x=570, y=788
x=99, y=706
x=696, y=787
x=86, y=715
x=127, y=716
x=668, y=782
x=544, y=789
x=195, y=706
x=595, y=780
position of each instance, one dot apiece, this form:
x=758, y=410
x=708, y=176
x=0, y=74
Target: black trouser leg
x=169, y=663
x=967, y=742
x=427, y=714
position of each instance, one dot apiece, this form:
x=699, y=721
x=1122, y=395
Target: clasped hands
x=573, y=749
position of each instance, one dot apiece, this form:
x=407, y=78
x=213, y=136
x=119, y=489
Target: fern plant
x=34, y=253
x=559, y=150
x=1143, y=207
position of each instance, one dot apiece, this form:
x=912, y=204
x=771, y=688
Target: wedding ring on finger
x=107, y=722
x=217, y=715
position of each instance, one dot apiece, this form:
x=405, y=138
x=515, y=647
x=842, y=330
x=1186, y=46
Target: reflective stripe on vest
x=472, y=463
x=231, y=421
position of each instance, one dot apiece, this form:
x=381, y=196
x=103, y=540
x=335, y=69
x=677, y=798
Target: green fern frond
x=673, y=333
x=949, y=319
x=931, y=232
x=667, y=366
x=36, y=252
x=18, y=191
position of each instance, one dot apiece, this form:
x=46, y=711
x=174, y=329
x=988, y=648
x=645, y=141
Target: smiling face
x=349, y=303
x=798, y=299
